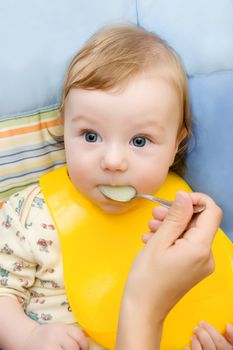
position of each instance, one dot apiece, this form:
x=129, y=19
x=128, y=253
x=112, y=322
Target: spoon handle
x=167, y=204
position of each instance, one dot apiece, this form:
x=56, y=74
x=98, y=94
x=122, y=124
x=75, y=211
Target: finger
x=195, y=344
x=147, y=236
x=208, y=220
x=70, y=344
x=205, y=339
x=176, y=221
x=154, y=225
x=77, y=334
x=229, y=333
x=64, y=347
x=220, y=342
x=159, y=213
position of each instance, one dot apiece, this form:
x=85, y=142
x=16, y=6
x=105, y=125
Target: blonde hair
x=117, y=53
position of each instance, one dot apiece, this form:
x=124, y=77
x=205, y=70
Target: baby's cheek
x=152, y=184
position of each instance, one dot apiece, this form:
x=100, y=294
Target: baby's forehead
x=140, y=104
x=136, y=90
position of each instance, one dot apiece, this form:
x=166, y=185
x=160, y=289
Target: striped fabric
x=27, y=150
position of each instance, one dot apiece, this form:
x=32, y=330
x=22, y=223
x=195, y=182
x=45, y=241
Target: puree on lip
x=118, y=193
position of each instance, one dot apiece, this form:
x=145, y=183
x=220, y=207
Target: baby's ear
x=182, y=135
x=180, y=138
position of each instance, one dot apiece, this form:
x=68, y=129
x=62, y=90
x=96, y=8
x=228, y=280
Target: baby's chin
x=116, y=208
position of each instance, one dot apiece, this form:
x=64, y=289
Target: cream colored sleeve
x=17, y=265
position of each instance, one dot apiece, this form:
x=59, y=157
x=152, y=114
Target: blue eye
x=91, y=136
x=139, y=141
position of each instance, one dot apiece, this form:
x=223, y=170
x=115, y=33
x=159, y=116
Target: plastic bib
x=98, y=249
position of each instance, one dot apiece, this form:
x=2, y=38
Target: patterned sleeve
x=17, y=265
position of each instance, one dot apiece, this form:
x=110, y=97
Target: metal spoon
x=128, y=193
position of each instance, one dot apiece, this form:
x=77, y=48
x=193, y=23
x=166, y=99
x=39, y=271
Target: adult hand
x=174, y=259
x=179, y=255
x=206, y=337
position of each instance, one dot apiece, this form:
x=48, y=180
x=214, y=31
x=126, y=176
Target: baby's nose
x=114, y=159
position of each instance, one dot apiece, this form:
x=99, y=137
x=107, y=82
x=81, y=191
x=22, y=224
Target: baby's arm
x=15, y=325
x=206, y=337
x=17, y=275
x=19, y=332
x=17, y=270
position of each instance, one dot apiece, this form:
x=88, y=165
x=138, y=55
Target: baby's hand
x=206, y=337
x=56, y=336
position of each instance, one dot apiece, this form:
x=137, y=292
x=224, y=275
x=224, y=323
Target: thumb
x=177, y=219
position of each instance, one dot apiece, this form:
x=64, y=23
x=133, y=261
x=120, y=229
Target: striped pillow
x=28, y=149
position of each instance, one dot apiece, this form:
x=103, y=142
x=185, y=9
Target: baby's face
x=121, y=137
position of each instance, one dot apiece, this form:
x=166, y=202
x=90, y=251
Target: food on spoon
x=118, y=193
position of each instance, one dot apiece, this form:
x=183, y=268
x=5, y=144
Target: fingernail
x=179, y=199
x=193, y=338
x=229, y=328
x=202, y=323
x=195, y=329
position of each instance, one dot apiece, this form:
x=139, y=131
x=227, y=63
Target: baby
x=126, y=118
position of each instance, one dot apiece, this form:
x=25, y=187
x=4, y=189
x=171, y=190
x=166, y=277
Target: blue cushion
x=210, y=159
x=38, y=39
x=201, y=31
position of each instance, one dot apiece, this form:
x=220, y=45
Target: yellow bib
x=98, y=249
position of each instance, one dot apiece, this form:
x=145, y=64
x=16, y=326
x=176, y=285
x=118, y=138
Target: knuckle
x=210, y=266
x=174, y=218
x=204, y=258
x=80, y=333
x=202, y=255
